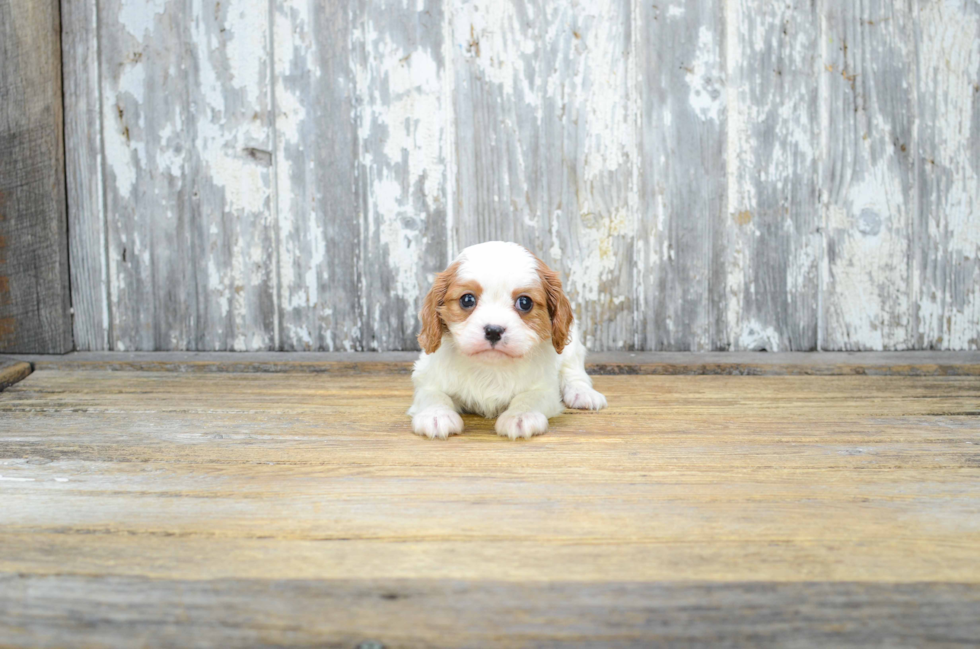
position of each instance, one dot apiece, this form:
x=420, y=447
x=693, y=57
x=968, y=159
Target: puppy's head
x=497, y=301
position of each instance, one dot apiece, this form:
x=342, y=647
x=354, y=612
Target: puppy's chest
x=487, y=394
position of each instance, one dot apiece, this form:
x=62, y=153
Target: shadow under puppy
x=498, y=340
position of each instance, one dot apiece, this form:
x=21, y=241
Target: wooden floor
x=209, y=509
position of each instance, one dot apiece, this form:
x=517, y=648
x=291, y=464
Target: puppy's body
x=496, y=358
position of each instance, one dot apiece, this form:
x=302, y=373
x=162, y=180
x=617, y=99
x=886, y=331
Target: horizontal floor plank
x=919, y=363
x=837, y=510
x=53, y=611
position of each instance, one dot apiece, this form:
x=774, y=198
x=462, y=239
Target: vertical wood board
x=316, y=164
x=946, y=232
x=188, y=151
x=681, y=281
x=402, y=92
x=35, y=305
x=546, y=146
x=868, y=177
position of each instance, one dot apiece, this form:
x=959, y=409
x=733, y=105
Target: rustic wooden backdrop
x=707, y=174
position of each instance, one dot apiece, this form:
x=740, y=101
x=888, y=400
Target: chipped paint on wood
x=186, y=120
x=867, y=177
x=289, y=174
x=546, y=142
x=399, y=68
x=946, y=236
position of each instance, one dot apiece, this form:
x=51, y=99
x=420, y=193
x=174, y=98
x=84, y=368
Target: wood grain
x=35, y=305
x=187, y=137
x=945, y=238
x=548, y=86
x=622, y=363
x=337, y=613
x=13, y=371
x=772, y=238
x=84, y=175
x=681, y=280
x=399, y=56
x=730, y=505
x=868, y=174
x=706, y=175
x=319, y=253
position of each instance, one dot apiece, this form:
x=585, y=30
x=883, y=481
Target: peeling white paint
x=138, y=16
x=707, y=79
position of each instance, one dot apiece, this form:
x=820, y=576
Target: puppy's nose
x=493, y=333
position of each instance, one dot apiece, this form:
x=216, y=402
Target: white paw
x=437, y=423
x=582, y=397
x=522, y=425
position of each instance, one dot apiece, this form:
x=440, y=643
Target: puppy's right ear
x=430, y=337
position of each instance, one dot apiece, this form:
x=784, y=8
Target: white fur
x=521, y=380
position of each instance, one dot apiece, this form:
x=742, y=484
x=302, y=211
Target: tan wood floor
x=191, y=509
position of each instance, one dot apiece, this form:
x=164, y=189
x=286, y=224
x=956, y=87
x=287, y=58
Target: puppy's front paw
x=582, y=397
x=522, y=425
x=437, y=423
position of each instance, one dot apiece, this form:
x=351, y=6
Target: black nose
x=493, y=333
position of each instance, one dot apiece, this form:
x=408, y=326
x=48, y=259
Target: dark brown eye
x=468, y=301
x=524, y=304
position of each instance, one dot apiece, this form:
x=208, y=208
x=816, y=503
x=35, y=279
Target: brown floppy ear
x=559, y=308
x=430, y=337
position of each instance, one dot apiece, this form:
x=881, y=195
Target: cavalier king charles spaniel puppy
x=498, y=340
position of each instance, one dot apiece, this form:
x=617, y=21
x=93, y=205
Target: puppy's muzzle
x=493, y=333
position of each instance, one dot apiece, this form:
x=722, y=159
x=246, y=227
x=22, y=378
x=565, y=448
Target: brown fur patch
x=430, y=336
x=451, y=311
x=559, y=308
x=539, y=317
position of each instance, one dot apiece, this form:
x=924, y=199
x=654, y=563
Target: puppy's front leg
x=434, y=415
x=528, y=413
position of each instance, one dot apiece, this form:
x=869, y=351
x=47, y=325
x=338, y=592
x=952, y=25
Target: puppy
x=498, y=340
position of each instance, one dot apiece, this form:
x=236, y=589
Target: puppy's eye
x=524, y=304
x=468, y=301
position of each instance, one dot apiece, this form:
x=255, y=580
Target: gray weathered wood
x=683, y=189
x=118, y=611
x=918, y=363
x=83, y=170
x=945, y=242
x=316, y=158
x=35, y=305
x=187, y=131
x=773, y=241
x=546, y=139
x=402, y=119
x=868, y=183
x=706, y=175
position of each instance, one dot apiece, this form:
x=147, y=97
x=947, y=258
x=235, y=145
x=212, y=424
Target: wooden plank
x=35, y=305
x=945, y=234
x=546, y=146
x=772, y=233
x=251, y=510
x=319, y=229
x=13, y=371
x=231, y=613
x=402, y=92
x=644, y=363
x=83, y=169
x=682, y=294
x=188, y=152
x=300, y=509
x=868, y=178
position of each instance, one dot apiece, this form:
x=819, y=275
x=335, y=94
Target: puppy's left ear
x=559, y=308
x=430, y=337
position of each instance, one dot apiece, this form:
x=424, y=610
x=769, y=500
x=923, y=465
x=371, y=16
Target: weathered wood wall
x=707, y=174
x=34, y=295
